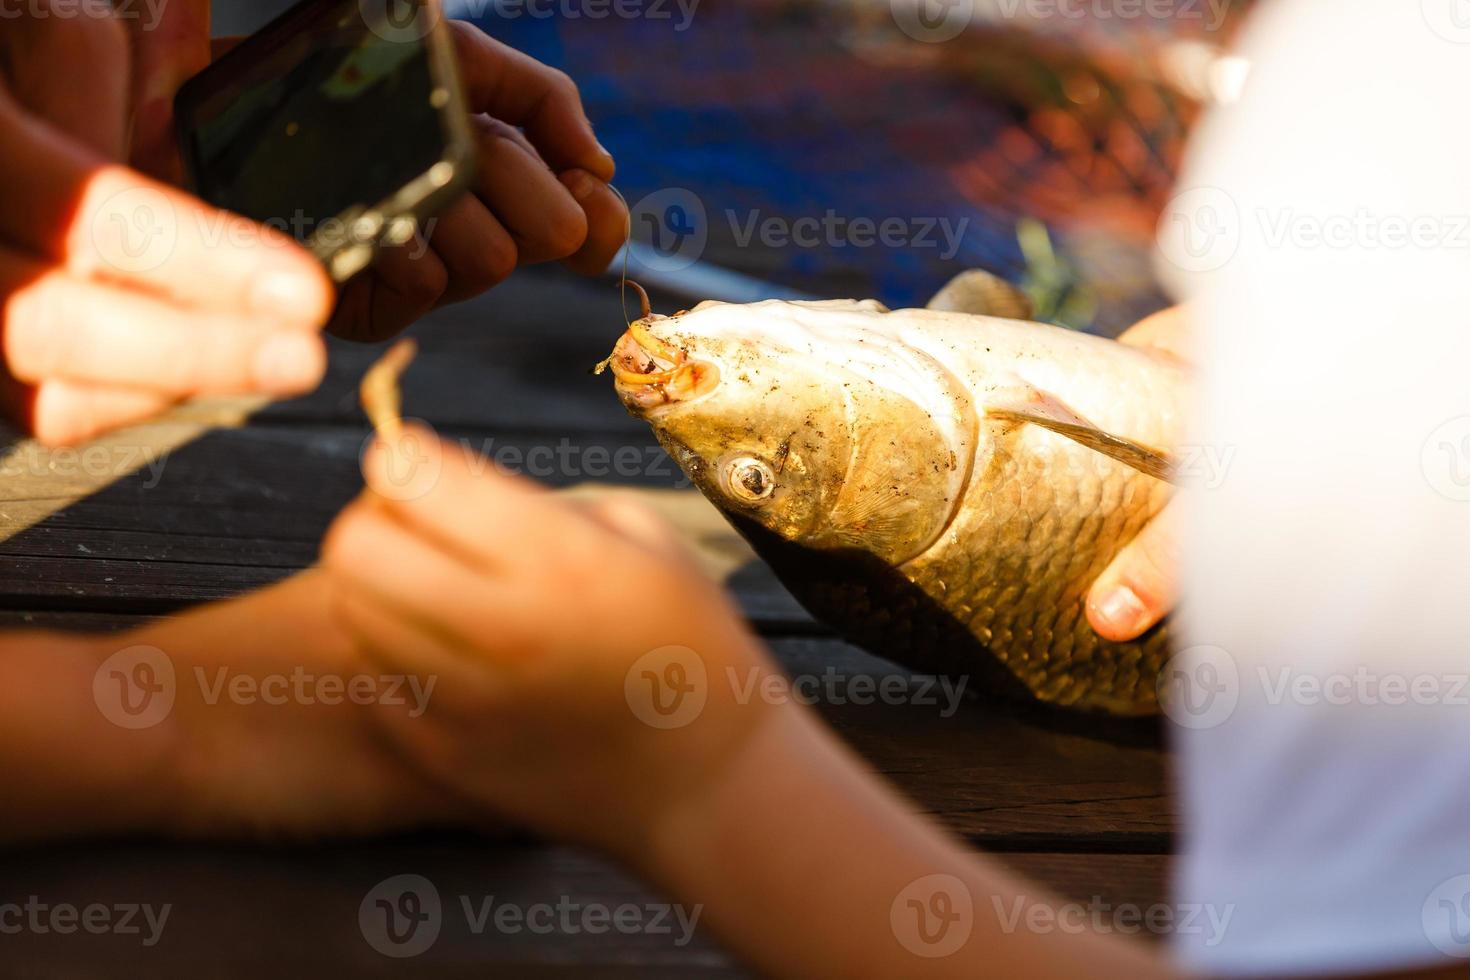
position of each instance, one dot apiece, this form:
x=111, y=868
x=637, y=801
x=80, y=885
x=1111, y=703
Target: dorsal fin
x=1026, y=404
x=984, y=294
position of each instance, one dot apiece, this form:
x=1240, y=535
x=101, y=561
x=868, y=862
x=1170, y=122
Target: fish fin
x=1027, y=404
x=984, y=294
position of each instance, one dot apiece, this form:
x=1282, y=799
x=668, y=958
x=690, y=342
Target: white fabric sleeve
x=1322, y=704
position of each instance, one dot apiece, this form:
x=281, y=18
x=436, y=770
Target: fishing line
x=623, y=285
x=627, y=248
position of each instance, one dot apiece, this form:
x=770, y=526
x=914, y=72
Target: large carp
x=940, y=487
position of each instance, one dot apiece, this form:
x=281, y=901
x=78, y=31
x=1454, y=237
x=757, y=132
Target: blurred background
x=874, y=148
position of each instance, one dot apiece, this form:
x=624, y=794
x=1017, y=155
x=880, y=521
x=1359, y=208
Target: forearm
x=272, y=739
x=799, y=832
x=249, y=729
x=69, y=770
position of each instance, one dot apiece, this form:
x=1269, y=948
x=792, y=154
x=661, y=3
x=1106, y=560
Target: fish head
x=804, y=419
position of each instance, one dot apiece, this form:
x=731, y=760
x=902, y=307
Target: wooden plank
x=1127, y=895
x=516, y=359
x=72, y=622
x=239, y=508
x=1007, y=780
x=243, y=911
x=1140, y=880
x=247, y=911
x=1003, y=777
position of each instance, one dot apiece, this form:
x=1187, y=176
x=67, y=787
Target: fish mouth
x=652, y=373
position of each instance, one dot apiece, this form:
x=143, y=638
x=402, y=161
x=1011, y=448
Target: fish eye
x=750, y=480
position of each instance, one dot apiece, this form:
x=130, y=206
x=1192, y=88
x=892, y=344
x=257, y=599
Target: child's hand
x=546, y=624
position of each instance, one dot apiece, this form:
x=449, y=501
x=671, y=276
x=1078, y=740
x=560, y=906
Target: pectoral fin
x=983, y=294
x=1026, y=404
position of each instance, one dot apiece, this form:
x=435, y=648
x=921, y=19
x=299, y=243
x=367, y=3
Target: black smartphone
x=342, y=123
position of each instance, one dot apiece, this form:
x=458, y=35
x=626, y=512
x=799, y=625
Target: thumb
x=1139, y=587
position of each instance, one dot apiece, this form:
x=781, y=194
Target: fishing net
x=843, y=148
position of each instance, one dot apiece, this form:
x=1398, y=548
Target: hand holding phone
x=389, y=140
x=539, y=193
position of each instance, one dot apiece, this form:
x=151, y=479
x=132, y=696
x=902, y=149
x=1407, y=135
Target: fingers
x=493, y=521
x=131, y=229
x=634, y=520
x=409, y=577
x=1165, y=330
x=405, y=646
x=1138, y=588
x=405, y=282
x=607, y=223
x=63, y=413
x=522, y=214
x=59, y=328
x=521, y=91
x=460, y=501
x=538, y=210
x=59, y=413
x=105, y=222
x=477, y=252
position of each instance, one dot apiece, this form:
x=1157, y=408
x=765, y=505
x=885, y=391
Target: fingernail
x=581, y=184
x=284, y=293
x=1122, y=609
x=609, y=165
x=289, y=363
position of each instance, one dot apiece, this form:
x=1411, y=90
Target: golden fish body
x=940, y=487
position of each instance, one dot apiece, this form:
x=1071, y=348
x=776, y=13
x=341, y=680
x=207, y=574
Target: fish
x=941, y=486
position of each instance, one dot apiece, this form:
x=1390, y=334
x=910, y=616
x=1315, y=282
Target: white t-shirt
x=1322, y=234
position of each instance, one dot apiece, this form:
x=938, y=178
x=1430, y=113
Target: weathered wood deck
x=244, y=504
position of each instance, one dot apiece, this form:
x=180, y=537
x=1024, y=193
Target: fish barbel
x=940, y=487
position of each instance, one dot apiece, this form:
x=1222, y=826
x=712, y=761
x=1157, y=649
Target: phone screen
x=321, y=114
